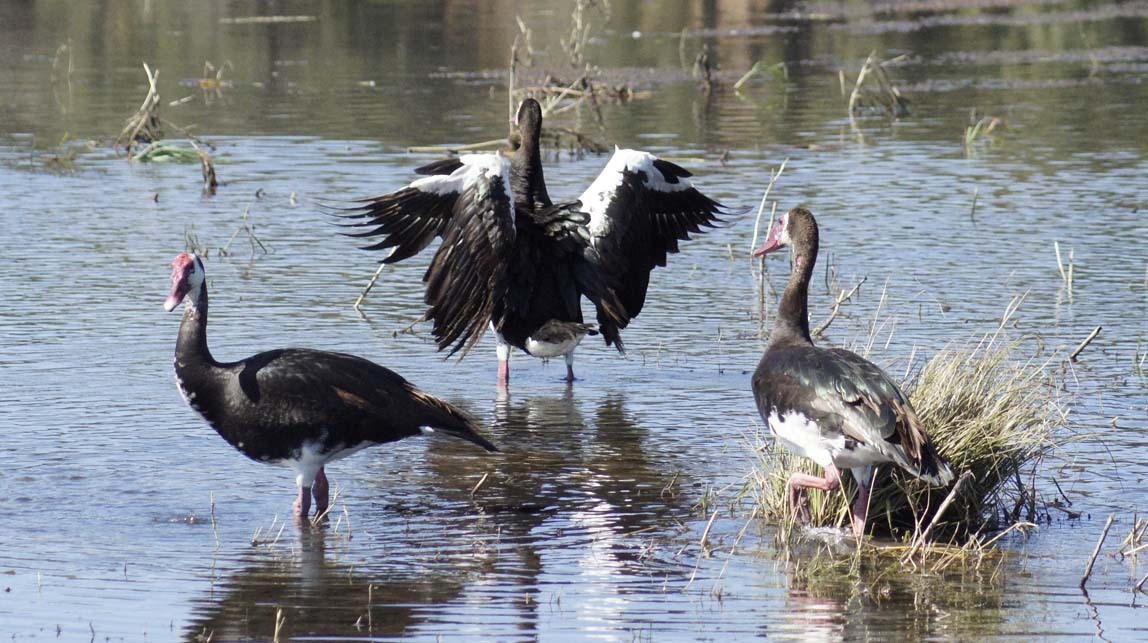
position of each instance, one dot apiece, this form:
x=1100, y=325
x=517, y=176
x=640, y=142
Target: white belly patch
x=311, y=457
x=802, y=436
x=552, y=349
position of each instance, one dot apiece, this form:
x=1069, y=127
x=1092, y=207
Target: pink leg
x=321, y=491
x=570, y=367
x=503, y=372
x=303, y=503
x=860, y=510
x=798, y=482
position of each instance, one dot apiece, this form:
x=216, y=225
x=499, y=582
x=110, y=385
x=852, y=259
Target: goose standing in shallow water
x=831, y=405
x=298, y=407
x=512, y=259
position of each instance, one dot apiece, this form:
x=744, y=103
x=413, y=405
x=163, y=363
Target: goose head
x=186, y=279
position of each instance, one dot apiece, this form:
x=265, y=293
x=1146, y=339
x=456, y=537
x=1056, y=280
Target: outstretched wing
x=640, y=207
x=467, y=202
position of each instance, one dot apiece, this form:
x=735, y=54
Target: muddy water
x=127, y=519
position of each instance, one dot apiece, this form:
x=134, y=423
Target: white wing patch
x=473, y=167
x=603, y=191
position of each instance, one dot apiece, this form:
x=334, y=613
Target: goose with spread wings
x=513, y=260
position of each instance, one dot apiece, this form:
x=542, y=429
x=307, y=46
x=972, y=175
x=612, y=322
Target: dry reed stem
x=370, y=601
x=773, y=177
x=478, y=485
x=856, y=93
x=1096, y=552
x=494, y=143
x=1084, y=344
x=921, y=537
x=842, y=297
x=1131, y=545
x=280, y=621
x=263, y=536
x=321, y=516
x=144, y=124
x=888, y=96
x=214, y=526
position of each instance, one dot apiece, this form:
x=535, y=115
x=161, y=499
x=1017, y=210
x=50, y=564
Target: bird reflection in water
x=317, y=595
x=579, y=495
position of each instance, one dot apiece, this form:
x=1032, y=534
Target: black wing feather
x=641, y=207
x=289, y=396
x=467, y=277
x=442, y=166
x=465, y=202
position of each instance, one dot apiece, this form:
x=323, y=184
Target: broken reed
x=141, y=138
x=988, y=413
x=874, y=90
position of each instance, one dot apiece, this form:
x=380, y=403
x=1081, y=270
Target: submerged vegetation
x=990, y=412
x=874, y=90
x=145, y=128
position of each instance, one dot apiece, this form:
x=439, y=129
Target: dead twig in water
x=320, y=517
x=280, y=621
x=144, y=126
x=773, y=177
x=1065, y=275
x=923, y=537
x=479, y=485
x=251, y=238
x=214, y=526
x=1084, y=344
x=841, y=298
x=210, y=183
x=1096, y=552
x=780, y=71
x=888, y=97
x=263, y=536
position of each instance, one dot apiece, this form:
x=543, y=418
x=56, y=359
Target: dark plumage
x=298, y=407
x=831, y=405
x=513, y=259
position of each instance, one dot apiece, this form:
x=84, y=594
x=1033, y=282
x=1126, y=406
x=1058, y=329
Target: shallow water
x=128, y=519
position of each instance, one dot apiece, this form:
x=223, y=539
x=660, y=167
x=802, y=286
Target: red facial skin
x=181, y=267
x=773, y=241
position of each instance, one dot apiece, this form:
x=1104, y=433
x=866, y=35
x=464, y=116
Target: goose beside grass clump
x=988, y=414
